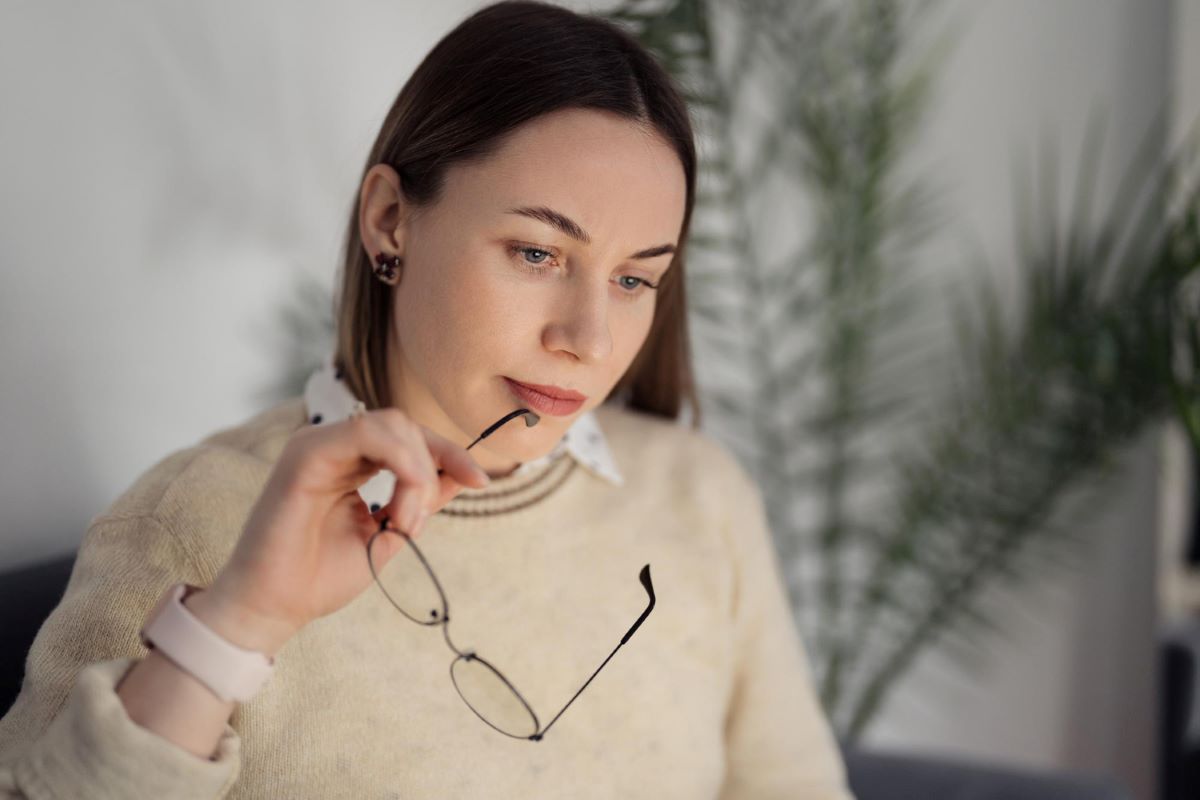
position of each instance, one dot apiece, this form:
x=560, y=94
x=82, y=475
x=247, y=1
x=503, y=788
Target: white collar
x=328, y=399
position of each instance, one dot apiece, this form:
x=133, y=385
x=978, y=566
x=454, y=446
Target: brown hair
x=500, y=67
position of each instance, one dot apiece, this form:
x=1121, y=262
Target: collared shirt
x=328, y=399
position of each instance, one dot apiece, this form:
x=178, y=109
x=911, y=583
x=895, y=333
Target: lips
x=552, y=400
x=556, y=392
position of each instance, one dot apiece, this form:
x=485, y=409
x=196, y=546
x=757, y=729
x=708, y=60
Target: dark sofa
x=27, y=596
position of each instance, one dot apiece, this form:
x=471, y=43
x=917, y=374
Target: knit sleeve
x=68, y=734
x=778, y=741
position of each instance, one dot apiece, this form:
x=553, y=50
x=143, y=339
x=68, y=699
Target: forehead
x=621, y=182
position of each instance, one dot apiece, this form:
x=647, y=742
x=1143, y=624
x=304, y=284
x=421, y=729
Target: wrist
x=236, y=624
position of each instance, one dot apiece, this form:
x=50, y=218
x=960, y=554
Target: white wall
x=168, y=168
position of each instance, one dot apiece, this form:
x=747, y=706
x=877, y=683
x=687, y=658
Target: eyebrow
x=572, y=228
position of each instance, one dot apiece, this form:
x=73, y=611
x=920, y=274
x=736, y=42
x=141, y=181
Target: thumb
x=383, y=545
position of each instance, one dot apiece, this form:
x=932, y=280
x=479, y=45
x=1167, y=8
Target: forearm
x=165, y=699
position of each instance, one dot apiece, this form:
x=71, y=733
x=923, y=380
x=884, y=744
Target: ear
x=382, y=212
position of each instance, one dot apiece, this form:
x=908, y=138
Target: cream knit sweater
x=711, y=698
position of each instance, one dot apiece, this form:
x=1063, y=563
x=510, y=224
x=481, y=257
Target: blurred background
x=943, y=307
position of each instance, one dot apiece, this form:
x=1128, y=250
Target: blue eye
x=528, y=250
x=635, y=288
x=524, y=251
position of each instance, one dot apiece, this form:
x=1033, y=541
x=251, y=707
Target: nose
x=580, y=326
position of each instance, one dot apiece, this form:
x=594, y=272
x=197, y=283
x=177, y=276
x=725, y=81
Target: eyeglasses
x=409, y=584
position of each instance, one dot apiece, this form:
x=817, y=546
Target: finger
x=389, y=518
x=448, y=489
x=421, y=452
x=464, y=472
x=383, y=439
x=382, y=547
x=401, y=510
x=454, y=461
x=358, y=447
x=410, y=505
x=412, y=435
x=333, y=455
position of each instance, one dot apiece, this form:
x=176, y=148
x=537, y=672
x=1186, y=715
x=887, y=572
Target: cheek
x=630, y=335
x=456, y=316
x=430, y=317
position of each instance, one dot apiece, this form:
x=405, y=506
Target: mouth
x=552, y=400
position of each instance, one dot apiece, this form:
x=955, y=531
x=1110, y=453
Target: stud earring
x=387, y=268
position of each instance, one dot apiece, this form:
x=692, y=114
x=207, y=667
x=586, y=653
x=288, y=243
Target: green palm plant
x=1038, y=407
x=821, y=371
x=1043, y=405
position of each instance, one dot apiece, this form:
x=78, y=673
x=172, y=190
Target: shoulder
x=650, y=449
x=215, y=473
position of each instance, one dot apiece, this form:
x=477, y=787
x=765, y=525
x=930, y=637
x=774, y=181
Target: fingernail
x=420, y=524
x=483, y=475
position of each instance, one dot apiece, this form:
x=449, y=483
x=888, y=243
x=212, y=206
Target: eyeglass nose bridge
x=467, y=654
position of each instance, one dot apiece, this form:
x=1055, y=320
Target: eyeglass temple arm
x=644, y=577
x=531, y=419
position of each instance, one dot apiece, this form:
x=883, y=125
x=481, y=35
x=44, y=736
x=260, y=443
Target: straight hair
x=507, y=64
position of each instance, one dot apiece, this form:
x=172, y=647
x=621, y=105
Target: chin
x=515, y=440
x=526, y=448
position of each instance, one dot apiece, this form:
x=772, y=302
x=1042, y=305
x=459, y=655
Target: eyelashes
x=519, y=252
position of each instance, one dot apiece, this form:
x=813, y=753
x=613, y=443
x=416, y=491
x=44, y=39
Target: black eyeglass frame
x=471, y=656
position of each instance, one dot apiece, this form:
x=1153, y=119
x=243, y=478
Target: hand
x=302, y=553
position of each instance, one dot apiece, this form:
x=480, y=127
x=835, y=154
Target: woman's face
x=492, y=289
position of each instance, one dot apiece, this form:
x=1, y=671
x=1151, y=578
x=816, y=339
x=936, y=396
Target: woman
x=513, y=283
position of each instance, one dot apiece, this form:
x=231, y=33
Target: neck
x=504, y=473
